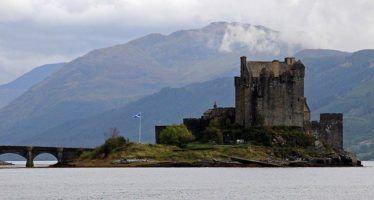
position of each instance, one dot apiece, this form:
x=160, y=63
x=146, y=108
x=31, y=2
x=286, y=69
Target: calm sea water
x=188, y=183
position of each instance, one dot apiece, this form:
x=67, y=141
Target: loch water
x=188, y=183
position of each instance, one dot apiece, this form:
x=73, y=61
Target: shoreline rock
x=5, y=163
x=344, y=160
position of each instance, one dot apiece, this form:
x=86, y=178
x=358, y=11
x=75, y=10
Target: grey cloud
x=38, y=32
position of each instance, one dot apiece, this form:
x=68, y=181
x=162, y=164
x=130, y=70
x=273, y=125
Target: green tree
x=176, y=135
x=112, y=143
x=213, y=132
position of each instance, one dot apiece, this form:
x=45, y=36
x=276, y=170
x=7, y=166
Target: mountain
x=112, y=77
x=4, y=74
x=15, y=88
x=323, y=71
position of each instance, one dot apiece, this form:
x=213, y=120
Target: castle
x=270, y=94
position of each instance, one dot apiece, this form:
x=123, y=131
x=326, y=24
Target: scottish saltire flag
x=139, y=115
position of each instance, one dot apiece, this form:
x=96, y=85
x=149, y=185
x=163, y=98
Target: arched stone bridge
x=63, y=155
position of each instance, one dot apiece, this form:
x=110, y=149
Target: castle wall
x=196, y=126
x=331, y=129
x=158, y=130
x=270, y=92
x=239, y=104
x=220, y=113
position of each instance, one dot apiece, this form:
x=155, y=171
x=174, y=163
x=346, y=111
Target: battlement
x=274, y=68
x=331, y=118
x=290, y=60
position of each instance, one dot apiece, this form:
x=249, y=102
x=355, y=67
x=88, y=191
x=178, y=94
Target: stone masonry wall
x=331, y=129
x=272, y=92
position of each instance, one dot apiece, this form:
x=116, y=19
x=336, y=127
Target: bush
x=298, y=138
x=213, y=132
x=176, y=135
x=110, y=145
x=267, y=136
x=258, y=135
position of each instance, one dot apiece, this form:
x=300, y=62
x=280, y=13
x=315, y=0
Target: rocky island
x=270, y=126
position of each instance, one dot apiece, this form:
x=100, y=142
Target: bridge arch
x=46, y=156
x=4, y=156
x=17, y=151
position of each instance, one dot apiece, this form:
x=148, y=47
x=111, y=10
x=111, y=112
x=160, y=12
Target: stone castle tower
x=329, y=129
x=271, y=93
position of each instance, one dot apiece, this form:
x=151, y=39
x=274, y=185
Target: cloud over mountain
x=255, y=39
x=60, y=30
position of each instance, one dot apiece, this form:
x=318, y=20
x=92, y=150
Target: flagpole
x=140, y=127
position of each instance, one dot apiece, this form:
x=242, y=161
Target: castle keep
x=270, y=94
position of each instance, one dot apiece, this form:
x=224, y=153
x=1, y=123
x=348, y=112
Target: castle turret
x=331, y=129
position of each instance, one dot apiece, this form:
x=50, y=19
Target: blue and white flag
x=139, y=115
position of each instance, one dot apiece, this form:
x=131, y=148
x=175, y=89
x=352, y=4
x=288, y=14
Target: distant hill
x=4, y=75
x=170, y=105
x=13, y=89
x=111, y=77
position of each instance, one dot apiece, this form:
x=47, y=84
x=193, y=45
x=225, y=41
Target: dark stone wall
x=158, y=130
x=272, y=92
x=220, y=113
x=331, y=129
x=196, y=126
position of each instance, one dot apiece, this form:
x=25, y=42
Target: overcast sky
x=36, y=32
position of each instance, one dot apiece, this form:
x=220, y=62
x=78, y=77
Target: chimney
x=243, y=64
x=289, y=60
x=275, y=68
